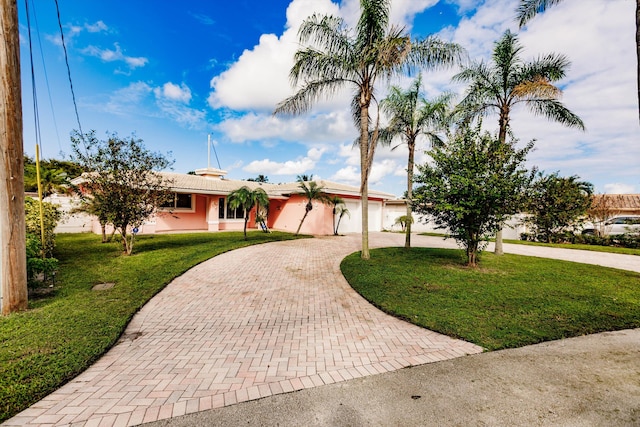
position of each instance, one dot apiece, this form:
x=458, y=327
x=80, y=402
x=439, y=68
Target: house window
x=221, y=208
x=180, y=201
x=237, y=213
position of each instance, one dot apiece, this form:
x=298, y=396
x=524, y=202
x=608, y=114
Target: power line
x=46, y=76
x=66, y=59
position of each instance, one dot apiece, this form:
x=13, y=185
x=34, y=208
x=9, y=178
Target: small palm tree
x=247, y=199
x=509, y=81
x=311, y=191
x=410, y=117
x=341, y=210
x=335, y=201
x=338, y=57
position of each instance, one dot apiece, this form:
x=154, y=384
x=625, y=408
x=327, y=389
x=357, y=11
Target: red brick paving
x=247, y=324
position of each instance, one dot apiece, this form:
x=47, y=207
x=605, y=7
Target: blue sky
x=174, y=72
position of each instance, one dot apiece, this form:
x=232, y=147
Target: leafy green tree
x=474, y=184
x=247, y=199
x=530, y=8
x=304, y=177
x=259, y=178
x=311, y=191
x=556, y=203
x=123, y=180
x=334, y=57
x=54, y=175
x=509, y=81
x=412, y=116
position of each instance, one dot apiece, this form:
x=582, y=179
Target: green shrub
x=51, y=217
x=39, y=259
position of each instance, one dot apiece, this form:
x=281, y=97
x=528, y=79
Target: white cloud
x=330, y=127
x=97, y=27
x=174, y=92
x=143, y=99
x=260, y=77
x=618, y=188
x=111, y=55
x=290, y=167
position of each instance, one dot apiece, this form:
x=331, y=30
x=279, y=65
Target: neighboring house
x=619, y=204
x=201, y=204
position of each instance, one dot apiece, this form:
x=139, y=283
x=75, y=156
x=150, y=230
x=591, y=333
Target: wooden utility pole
x=13, y=259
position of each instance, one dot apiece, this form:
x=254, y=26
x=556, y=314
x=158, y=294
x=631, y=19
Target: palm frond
x=373, y=23
x=554, y=110
x=304, y=98
x=552, y=67
x=537, y=88
x=530, y=8
x=433, y=53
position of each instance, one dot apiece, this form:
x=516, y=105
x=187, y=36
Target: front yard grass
x=64, y=332
x=509, y=301
x=581, y=246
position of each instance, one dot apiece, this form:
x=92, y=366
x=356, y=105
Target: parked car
x=627, y=224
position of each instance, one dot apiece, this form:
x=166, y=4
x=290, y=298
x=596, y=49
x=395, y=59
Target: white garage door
x=353, y=224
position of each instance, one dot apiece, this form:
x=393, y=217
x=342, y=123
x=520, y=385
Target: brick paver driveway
x=250, y=323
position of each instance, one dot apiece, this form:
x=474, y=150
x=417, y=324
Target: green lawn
x=509, y=301
x=63, y=333
x=584, y=247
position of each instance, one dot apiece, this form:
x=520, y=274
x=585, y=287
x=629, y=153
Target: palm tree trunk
x=301, y=221
x=335, y=230
x=364, y=177
x=412, y=149
x=246, y=220
x=502, y=137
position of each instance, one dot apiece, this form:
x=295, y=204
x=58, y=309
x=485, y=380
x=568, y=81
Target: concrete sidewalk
x=258, y=322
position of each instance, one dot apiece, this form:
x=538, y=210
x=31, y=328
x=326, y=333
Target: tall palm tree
x=311, y=191
x=335, y=202
x=530, y=8
x=246, y=198
x=336, y=57
x=410, y=117
x=508, y=81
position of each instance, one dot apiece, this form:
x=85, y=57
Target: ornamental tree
x=473, y=185
x=557, y=203
x=123, y=180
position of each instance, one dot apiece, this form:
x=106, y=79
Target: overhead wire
x=46, y=76
x=36, y=119
x=66, y=59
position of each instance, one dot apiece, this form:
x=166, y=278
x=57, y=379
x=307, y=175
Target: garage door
x=353, y=224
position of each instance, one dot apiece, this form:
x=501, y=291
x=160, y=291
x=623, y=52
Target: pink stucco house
x=200, y=204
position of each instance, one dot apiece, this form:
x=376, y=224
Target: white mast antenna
x=208, y=151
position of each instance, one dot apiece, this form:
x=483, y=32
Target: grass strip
x=580, y=246
x=509, y=301
x=65, y=331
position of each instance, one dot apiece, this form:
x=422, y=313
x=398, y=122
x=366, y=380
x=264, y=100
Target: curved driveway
x=251, y=323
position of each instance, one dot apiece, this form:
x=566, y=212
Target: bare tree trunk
x=498, y=249
x=13, y=260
